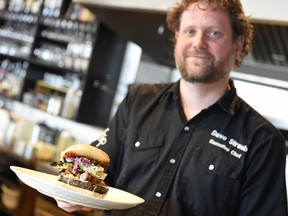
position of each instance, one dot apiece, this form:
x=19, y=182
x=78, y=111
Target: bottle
x=54, y=104
x=71, y=103
x=64, y=140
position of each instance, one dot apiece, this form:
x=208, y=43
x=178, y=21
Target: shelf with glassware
x=65, y=43
x=45, y=58
x=64, y=52
x=17, y=34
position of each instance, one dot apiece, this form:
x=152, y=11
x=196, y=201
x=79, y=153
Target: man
x=194, y=147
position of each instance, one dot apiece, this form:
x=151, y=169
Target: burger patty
x=98, y=188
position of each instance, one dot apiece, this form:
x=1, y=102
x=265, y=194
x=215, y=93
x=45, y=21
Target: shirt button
x=186, y=128
x=137, y=144
x=158, y=194
x=211, y=167
x=172, y=161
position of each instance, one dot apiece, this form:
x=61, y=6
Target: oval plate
x=49, y=185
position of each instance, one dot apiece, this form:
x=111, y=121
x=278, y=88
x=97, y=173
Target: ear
x=239, y=43
x=176, y=35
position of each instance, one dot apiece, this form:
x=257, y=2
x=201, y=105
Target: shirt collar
x=227, y=102
x=172, y=91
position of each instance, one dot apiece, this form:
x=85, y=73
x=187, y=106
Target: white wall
x=271, y=102
x=266, y=9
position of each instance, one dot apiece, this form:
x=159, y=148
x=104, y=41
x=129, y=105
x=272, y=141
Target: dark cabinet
x=101, y=83
x=44, y=55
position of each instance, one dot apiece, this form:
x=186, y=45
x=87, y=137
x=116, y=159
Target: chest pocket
x=218, y=162
x=142, y=150
x=146, y=144
x=210, y=177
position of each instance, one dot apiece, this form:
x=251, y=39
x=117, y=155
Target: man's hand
x=70, y=207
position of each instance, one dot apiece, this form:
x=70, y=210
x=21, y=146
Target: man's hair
x=240, y=24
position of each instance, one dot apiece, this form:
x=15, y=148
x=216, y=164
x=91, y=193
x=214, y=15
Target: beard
x=204, y=72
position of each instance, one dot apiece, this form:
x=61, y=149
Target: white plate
x=49, y=185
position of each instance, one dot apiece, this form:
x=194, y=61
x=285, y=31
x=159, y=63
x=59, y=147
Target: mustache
x=199, y=53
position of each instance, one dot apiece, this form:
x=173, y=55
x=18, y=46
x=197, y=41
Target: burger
x=84, y=166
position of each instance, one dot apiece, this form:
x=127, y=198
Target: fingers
x=84, y=208
x=70, y=207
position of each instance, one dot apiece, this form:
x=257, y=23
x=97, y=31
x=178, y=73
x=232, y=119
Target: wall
x=270, y=101
x=266, y=9
x=128, y=73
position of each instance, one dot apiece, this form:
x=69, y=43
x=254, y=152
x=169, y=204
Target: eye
x=214, y=34
x=190, y=32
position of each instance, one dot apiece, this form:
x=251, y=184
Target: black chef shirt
x=226, y=161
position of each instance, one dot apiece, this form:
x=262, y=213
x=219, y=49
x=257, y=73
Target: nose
x=199, y=41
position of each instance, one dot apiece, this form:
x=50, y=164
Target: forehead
x=199, y=13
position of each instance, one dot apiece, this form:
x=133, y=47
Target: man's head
x=210, y=36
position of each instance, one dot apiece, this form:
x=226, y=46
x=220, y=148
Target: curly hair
x=240, y=24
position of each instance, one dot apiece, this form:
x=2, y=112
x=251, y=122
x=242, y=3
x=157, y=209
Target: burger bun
x=88, y=151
